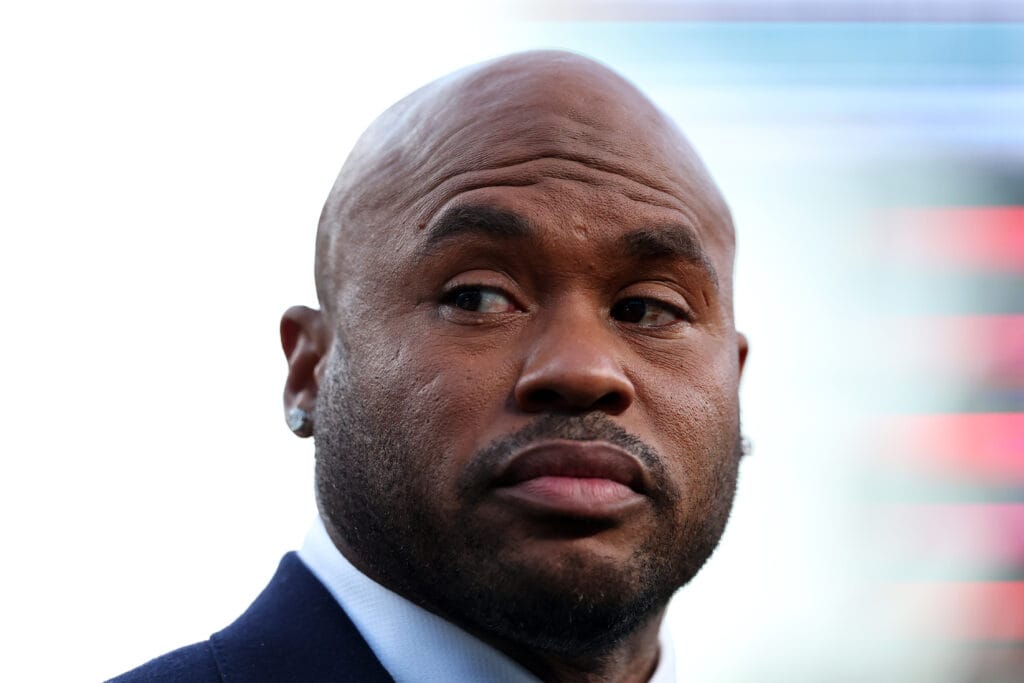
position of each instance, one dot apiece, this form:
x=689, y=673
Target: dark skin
x=524, y=254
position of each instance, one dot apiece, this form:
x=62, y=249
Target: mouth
x=580, y=479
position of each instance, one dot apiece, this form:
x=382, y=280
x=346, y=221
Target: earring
x=300, y=422
x=746, y=447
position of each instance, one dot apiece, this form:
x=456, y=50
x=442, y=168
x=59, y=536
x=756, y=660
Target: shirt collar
x=413, y=644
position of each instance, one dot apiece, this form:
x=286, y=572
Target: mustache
x=589, y=427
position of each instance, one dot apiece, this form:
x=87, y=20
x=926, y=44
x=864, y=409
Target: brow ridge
x=668, y=241
x=481, y=220
x=676, y=241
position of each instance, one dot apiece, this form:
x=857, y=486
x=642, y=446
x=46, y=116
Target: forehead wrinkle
x=519, y=109
x=438, y=195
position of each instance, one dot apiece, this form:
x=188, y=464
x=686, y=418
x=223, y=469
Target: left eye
x=645, y=313
x=480, y=300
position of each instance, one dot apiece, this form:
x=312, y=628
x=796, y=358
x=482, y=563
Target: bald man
x=522, y=387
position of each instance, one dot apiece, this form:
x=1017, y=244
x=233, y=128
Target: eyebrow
x=668, y=241
x=486, y=221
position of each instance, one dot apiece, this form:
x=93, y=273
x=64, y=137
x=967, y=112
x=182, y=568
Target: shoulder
x=294, y=631
x=192, y=663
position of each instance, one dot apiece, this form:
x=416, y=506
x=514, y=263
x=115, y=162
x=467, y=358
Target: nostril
x=544, y=398
x=567, y=377
x=612, y=402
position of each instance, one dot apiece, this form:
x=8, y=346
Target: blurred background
x=163, y=167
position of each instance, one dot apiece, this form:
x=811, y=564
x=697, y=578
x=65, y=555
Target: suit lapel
x=295, y=631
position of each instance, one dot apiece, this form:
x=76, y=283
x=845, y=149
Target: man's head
x=524, y=371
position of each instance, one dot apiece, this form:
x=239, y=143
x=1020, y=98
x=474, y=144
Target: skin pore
x=520, y=260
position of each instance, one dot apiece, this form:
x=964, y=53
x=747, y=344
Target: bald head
x=505, y=118
x=525, y=276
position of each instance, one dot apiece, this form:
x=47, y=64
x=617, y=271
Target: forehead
x=515, y=127
x=550, y=203
x=562, y=140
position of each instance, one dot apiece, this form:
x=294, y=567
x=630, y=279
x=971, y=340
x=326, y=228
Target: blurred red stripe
x=982, y=446
x=985, y=349
x=991, y=611
x=984, y=237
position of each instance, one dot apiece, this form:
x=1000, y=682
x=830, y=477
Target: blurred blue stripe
x=808, y=53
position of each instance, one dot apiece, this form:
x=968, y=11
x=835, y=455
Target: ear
x=305, y=340
x=742, y=347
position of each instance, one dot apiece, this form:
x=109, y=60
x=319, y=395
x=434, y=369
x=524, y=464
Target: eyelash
x=675, y=311
x=450, y=297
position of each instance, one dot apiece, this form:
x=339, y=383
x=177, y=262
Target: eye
x=479, y=300
x=646, y=312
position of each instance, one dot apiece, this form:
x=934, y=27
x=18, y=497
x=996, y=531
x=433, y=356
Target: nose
x=574, y=366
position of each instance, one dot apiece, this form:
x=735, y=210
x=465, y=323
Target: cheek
x=442, y=398
x=693, y=414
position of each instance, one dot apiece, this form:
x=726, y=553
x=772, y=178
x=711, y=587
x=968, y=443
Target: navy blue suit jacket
x=294, y=631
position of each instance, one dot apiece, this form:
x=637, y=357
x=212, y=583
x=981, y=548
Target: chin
x=577, y=604
x=564, y=598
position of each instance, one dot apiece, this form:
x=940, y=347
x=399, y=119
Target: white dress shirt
x=414, y=645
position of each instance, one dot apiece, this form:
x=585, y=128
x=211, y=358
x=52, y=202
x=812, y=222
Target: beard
x=381, y=495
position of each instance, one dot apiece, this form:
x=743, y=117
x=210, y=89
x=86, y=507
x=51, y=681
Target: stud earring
x=300, y=422
x=746, y=448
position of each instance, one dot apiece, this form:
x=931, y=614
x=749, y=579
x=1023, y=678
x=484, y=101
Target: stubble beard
x=375, y=492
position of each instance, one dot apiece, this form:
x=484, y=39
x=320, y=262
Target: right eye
x=646, y=312
x=479, y=300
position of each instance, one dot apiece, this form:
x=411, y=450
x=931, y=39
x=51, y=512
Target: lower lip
x=574, y=496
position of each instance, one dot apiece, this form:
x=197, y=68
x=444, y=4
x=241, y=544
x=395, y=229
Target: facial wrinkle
x=439, y=195
x=590, y=163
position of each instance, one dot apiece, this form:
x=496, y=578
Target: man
x=522, y=386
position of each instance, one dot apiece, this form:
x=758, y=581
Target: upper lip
x=570, y=458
